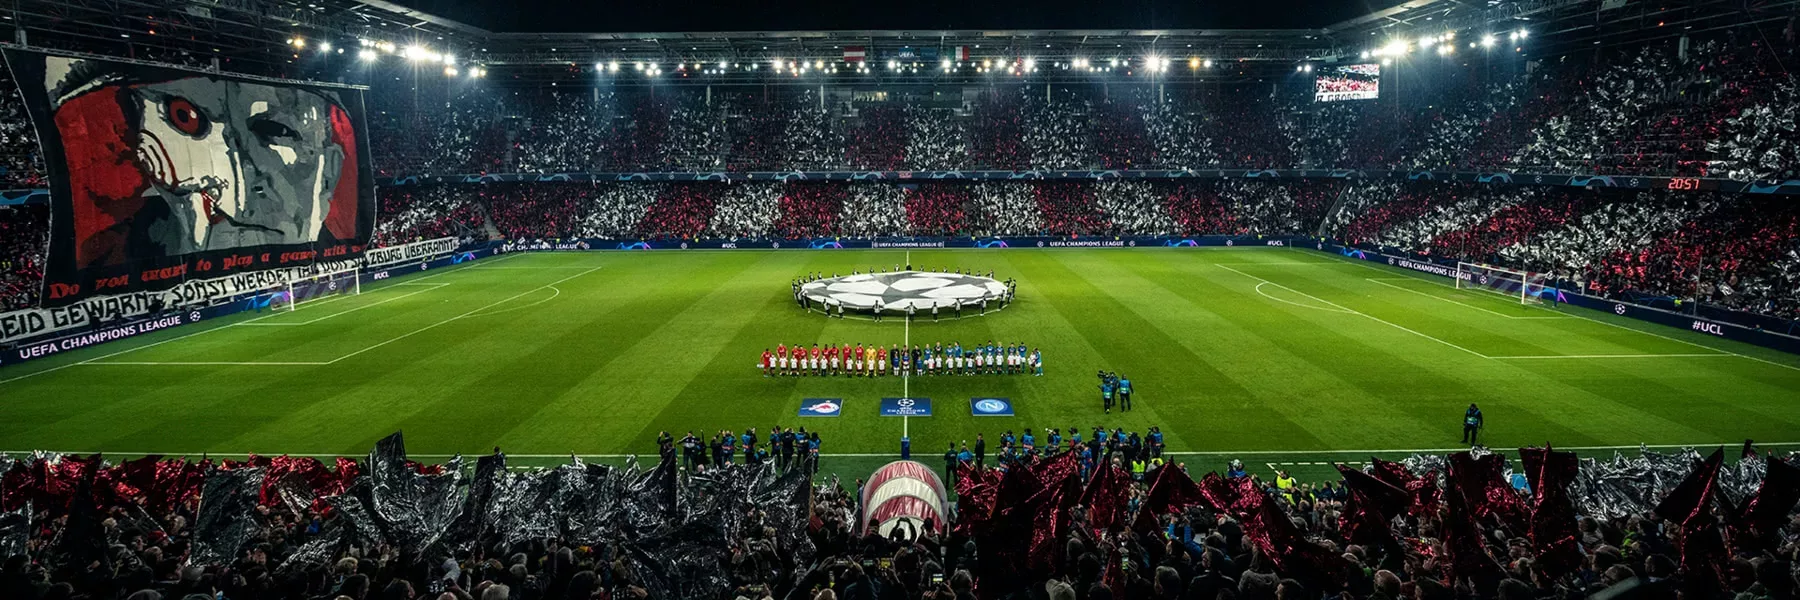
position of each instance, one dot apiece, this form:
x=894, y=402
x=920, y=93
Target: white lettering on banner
x=407, y=252
x=728, y=246
x=37, y=322
x=1087, y=244
x=1277, y=243
x=878, y=244
x=1428, y=267
x=1712, y=328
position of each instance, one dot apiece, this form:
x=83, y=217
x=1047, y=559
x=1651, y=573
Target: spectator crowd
x=1720, y=105
x=1056, y=515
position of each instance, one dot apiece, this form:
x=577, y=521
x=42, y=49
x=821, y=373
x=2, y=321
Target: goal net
x=1525, y=286
x=347, y=282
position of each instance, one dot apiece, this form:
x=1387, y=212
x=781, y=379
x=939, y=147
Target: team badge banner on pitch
x=991, y=407
x=160, y=176
x=821, y=407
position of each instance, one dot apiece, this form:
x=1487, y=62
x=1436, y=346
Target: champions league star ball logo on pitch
x=898, y=291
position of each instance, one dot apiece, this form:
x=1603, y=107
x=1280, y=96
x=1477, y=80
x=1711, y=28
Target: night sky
x=675, y=15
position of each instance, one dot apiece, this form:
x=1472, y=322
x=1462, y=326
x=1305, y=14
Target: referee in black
x=1471, y=424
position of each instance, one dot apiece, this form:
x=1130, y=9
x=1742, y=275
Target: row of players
x=877, y=361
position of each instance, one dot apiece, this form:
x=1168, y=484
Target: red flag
x=854, y=54
x=1766, y=511
x=1105, y=496
x=976, y=493
x=1462, y=537
x=1172, y=492
x=1286, y=546
x=1690, y=506
x=1372, y=506
x=1426, y=497
x=1554, y=535
x=1483, y=484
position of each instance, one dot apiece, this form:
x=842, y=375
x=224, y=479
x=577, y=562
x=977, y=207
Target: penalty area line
x=1585, y=356
x=428, y=287
x=1464, y=304
x=1574, y=313
x=1356, y=312
x=461, y=316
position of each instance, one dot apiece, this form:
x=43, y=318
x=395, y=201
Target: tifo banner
x=95, y=310
x=105, y=319
x=906, y=407
x=161, y=176
x=821, y=407
x=409, y=252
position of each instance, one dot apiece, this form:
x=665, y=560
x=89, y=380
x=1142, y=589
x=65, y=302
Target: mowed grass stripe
x=1126, y=339
x=1407, y=372
x=1521, y=378
x=1755, y=361
x=667, y=340
x=1184, y=306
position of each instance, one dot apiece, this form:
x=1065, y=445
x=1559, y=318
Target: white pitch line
x=1259, y=290
x=97, y=359
x=1577, y=314
x=1274, y=262
x=445, y=321
x=1355, y=312
x=428, y=287
x=524, y=306
x=207, y=363
x=1437, y=297
x=1557, y=356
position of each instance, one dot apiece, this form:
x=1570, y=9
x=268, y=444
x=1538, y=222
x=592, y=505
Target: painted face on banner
x=198, y=163
x=236, y=164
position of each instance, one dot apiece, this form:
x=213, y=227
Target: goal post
x=1525, y=286
x=343, y=282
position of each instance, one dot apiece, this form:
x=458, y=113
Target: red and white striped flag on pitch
x=854, y=54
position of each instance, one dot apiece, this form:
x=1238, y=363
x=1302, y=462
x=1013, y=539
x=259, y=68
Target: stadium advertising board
x=1347, y=82
x=92, y=311
x=163, y=178
x=91, y=330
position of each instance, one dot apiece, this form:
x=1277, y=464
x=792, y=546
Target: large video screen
x=163, y=178
x=1348, y=82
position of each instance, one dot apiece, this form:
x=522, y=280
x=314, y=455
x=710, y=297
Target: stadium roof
x=245, y=34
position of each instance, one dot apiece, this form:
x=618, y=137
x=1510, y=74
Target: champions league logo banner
x=161, y=176
x=906, y=407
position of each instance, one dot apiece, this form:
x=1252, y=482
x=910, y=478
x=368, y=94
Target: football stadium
x=394, y=299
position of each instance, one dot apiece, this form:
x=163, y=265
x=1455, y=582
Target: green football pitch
x=1280, y=357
